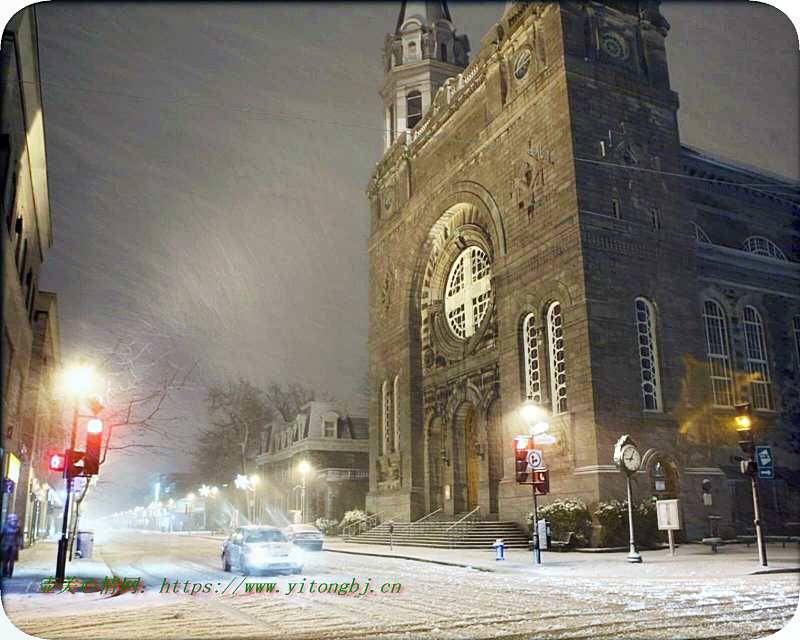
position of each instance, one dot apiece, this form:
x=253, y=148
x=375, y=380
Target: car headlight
x=257, y=555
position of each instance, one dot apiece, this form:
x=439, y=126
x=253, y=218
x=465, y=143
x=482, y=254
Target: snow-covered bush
x=613, y=516
x=565, y=516
x=352, y=516
x=326, y=526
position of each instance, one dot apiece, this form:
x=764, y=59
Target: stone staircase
x=433, y=532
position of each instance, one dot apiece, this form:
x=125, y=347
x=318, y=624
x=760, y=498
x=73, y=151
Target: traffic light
x=94, y=438
x=73, y=463
x=744, y=427
x=541, y=480
x=56, y=461
x=748, y=467
x=522, y=445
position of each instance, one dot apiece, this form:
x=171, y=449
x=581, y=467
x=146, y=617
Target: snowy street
x=436, y=601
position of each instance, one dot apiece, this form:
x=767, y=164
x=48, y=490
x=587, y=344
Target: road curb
x=763, y=571
x=383, y=555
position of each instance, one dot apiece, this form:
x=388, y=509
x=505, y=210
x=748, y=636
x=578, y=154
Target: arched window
x=558, y=374
x=796, y=332
x=719, y=360
x=648, y=354
x=396, y=414
x=530, y=348
x=757, y=358
x=468, y=291
x=386, y=417
x=413, y=109
x=699, y=235
x=763, y=247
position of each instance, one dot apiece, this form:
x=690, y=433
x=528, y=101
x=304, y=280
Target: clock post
x=628, y=460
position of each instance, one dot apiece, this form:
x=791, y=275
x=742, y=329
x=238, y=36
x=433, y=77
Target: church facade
x=539, y=232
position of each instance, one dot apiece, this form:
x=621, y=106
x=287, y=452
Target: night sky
x=207, y=168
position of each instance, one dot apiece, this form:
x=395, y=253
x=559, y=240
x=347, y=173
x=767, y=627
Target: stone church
x=539, y=232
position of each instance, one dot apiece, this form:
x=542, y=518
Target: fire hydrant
x=498, y=547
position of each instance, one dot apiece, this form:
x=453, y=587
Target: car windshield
x=265, y=536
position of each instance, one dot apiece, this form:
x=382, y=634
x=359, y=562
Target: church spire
x=418, y=57
x=426, y=12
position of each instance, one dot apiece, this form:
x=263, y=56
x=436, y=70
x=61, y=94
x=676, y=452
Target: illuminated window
x=558, y=374
x=718, y=351
x=396, y=414
x=757, y=358
x=533, y=388
x=468, y=292
x=648, y=356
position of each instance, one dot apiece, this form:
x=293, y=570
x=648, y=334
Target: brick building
x=538, y=231
x=334, y=444
x=31, y=347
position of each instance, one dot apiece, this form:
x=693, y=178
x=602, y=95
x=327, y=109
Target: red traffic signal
x=56, y=461
x=94, y=438
x=522, y=445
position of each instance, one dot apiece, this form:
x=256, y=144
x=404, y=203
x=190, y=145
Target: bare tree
x=289, y=402
x=239, y=410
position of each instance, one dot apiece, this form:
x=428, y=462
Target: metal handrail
x=414, y=527
x=461, y=527
x=347, y=532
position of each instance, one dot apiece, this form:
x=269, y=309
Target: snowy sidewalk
x=689, y=561
x=37, y=563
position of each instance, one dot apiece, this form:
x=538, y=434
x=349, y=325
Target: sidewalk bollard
x=498, y=547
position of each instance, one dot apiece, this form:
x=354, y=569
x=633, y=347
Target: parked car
x=304, y=535
x=260, y=549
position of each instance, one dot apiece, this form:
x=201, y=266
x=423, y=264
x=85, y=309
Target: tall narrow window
x=654, y=218
x=757, y=358
x=330, y=428
x=443, y=52
x=648, y=355
x=533, y=388
x=615, y=207
x=386, y=421
x=719, y=359
x=413, y=109
x=558, y=374
x=396, y=413
x=391, y=124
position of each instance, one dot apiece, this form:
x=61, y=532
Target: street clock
x=627, y=456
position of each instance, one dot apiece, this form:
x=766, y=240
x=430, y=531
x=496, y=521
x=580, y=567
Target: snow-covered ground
x=597, y=600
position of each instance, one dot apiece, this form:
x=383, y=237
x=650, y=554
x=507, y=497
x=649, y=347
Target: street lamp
x=78, y=379
x=304, y=467
x=533, y=414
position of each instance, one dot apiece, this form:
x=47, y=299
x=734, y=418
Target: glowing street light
x=205, y=491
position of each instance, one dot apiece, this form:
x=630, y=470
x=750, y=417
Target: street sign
x=534, y=458
x=766, y=463
x=668, y=514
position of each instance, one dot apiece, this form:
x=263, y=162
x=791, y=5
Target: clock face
x=631, y=458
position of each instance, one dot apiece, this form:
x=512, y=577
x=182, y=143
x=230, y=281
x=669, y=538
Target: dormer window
x=413, y=109
x=330, y=428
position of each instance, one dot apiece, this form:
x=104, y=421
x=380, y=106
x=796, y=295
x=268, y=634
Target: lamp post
x=78, y=380
x=304, y=467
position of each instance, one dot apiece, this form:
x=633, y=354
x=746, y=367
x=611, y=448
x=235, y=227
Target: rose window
x=468, y=292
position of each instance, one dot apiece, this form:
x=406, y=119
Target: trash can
x=85, y=542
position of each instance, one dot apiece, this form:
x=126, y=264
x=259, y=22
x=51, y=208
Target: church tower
x=418, y=57
x=528, y=241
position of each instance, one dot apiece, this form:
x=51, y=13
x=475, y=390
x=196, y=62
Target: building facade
x=540, y=232
x=336, y=448
x=30, y=349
